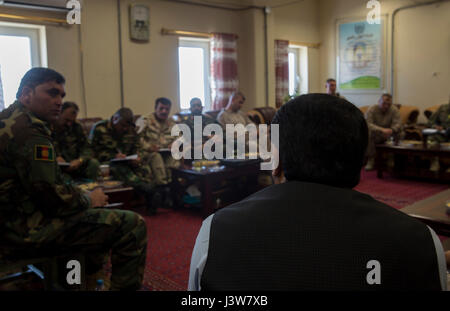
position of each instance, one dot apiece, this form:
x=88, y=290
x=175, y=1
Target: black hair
x=331, y=80
x=126, y=114
x=68, y=105
x=194, y=99
x=323, y=139
x=162, y=100
x=237, y=93
x=39, y=75
x=387, y=95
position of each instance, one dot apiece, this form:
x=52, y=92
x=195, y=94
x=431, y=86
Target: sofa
x=259, y=115
x=408, y=114
x=430, y=110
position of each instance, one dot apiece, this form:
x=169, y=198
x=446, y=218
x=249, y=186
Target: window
x=22, y=47
x=193, y=57
x=298, y=70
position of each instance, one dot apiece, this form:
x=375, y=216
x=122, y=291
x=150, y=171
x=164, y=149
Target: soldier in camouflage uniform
x=439, y=120
x=71, y=145
x=155, y=133
x=196, y=109
x=116, y=139
x=41, y=214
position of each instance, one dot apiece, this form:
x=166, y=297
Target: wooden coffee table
x=432, y=211
x=122, y=194
x=414, y=154
x=217, y=184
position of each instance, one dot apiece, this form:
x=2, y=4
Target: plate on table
x=206, y=163
x=111, y=184
x=411, y=143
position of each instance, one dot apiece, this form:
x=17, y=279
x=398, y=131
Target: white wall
x=421, y=48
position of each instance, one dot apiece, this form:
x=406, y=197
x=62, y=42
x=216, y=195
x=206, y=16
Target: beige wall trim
x=173, y=32
x=307, y=44
x=34, y=18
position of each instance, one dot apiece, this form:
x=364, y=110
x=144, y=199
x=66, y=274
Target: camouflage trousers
x=89, y=169
x=94, y=233
x=437, y=139
x=161, y=165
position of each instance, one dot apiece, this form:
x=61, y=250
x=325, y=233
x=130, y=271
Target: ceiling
x=244, y=3
x=51, y=3
x=224, y=3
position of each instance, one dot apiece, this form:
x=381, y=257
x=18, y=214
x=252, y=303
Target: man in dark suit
x=311, y=231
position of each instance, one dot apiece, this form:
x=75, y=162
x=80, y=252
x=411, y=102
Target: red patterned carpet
x=397, y=192
x=172, y=233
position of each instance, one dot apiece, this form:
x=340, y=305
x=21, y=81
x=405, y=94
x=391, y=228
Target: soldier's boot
x=154, y=201
x=168, y=202
x=370, y=164
x=434, y=166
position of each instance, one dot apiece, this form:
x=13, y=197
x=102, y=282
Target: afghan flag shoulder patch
x=44, y=153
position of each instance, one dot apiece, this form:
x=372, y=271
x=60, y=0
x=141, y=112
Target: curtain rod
x=173, y=32
x=34, y=18
x=307, y=44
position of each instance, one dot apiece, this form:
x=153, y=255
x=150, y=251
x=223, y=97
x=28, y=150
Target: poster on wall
x=360, y=55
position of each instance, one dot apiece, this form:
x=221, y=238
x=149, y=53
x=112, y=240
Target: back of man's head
x=38, y=75
x=323, y=139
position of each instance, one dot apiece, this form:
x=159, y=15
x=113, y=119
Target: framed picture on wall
x=361, y=53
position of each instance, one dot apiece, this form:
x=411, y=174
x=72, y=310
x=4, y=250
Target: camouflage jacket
x=152, y=132
x=441, y=117
x=189, y=121
x=106, y=143
x=34, y=199
x=71, y=143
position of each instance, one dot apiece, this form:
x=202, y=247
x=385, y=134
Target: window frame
x=301, y=60
x=205, y=45
x=296, y=52
x=38, y=43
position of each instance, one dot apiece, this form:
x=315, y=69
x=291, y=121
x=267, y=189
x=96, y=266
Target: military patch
x=44, y=153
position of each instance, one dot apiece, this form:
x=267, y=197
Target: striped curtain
x=224, y=73
x=281, y=71
x=2, y=100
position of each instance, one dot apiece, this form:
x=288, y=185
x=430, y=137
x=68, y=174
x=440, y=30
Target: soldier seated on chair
x=384, y=122
x=71, y=145
x=440, y=120
x=39, y=210
x=196, y=109
x=115, y=139
x=155, y=134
